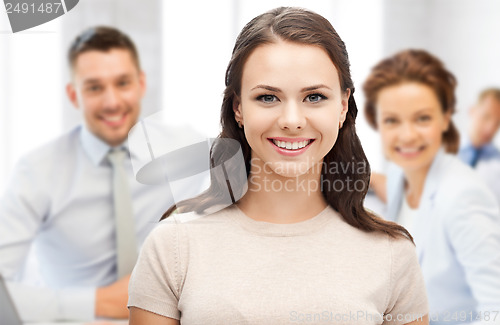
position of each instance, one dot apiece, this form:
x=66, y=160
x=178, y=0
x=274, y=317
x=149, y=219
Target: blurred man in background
x=76, y=198
x=478, y=150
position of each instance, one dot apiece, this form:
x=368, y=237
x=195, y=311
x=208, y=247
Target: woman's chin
x=413, y=165
x=293, y=169
x=414, y=162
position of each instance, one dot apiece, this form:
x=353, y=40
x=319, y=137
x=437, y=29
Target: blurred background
x=185, y=46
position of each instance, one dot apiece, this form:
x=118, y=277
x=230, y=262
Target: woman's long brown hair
x=304, y=27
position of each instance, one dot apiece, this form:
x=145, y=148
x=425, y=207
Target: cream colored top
x=227, y=268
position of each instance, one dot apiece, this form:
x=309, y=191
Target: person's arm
x=111, y=301
x=421, y=321
x=407, y=297
x=79, y=304
x=156, y=282
x=142, y=317
x=378, y=183
x=23, y=208
x=44, y=304
x=474, y=233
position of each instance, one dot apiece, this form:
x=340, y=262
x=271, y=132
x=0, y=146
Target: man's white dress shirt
x=59, y=199
x=487, y=164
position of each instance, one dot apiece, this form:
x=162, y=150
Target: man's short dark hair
x=101, y=38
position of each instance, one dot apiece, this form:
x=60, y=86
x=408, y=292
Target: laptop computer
x=8, y=312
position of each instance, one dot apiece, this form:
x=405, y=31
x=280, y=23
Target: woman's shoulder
x=453, y=168
x=402, y=248
x=177, y=232
x=179, y=222
x=459, y=180
x=393, y=257
x=462, y=195
x=374, y=240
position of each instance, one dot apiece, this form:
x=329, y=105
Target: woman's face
x=411, y=123
x=290, y=106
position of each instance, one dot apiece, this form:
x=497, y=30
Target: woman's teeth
x=409, y=150
x=291, y=145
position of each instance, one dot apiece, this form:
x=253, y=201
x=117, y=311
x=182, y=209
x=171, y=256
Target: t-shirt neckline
x=283, y=230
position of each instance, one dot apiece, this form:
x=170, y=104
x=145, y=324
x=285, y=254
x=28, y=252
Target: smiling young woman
x=293, y=248
x=452, y=216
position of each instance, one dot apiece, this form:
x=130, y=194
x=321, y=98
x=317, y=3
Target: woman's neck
x=279, y=199
x=414, y=187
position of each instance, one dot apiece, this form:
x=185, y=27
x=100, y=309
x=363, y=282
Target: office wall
x=30, y=92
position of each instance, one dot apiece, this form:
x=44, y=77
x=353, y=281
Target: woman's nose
x=292, y=117
x=408, y=132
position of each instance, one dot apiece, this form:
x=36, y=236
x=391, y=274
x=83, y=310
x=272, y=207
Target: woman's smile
x=290, y=146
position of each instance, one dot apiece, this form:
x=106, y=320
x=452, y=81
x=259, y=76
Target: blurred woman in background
x=451, y=214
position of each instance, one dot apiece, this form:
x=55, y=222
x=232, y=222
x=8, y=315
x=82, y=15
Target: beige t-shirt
x=227, y=268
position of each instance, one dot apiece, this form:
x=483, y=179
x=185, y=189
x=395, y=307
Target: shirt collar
x=465, y=143
x=95, y=148
x=488, y=148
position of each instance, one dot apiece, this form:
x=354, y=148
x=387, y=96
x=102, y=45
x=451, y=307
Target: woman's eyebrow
x=423, y=111
x=270, y=88
x=389, y=111
x=267, y=88
x=315, y=87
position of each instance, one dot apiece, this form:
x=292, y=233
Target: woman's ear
x=345, y=105
x=237, y=110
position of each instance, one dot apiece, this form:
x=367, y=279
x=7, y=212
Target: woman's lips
x=290, y=146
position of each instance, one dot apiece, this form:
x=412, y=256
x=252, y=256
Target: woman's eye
x=267, y=98
x=314, y=98
x=424, y=118
x=390, y=120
